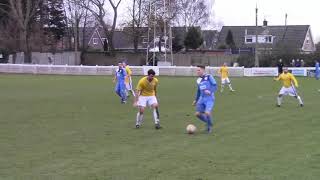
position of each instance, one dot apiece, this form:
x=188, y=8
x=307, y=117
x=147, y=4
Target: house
x=123, y=40
x=291, y=37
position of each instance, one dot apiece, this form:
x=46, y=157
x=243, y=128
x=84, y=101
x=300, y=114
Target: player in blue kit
x=120, y=88
x=317, y=71
x=205, y=97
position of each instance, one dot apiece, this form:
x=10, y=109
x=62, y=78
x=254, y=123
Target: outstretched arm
x=277, y=78
x=295, y=82
x=213, y=83
x=114, y=78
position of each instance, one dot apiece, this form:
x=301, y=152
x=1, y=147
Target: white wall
x=141, y=70
x=43, y=58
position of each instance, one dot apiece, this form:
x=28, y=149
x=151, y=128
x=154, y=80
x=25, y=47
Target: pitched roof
x=122, y=39
x=292, y=36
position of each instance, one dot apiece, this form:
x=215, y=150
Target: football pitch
x=74, y=128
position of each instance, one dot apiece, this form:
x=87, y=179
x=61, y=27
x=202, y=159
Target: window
x=145, y=40
x=249, y=39
x=95, y=40
x=308, y=40
x=268, y=39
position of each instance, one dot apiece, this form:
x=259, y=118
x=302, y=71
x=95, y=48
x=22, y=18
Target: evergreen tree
x=177, y=42
x=193, y=39
x=56, y=18
x=229, y=40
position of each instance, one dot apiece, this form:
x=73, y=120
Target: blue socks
x=203, y=118
x=122, y=94
x=207, y=120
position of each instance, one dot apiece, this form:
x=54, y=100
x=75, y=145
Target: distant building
x=123, y=40
x=292, y=37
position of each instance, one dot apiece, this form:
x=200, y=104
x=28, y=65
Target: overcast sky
x=242, y=12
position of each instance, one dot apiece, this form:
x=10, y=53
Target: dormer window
x=249, y=39
x=308, y=40
x=268, y=39
x=262, y=39
x=95, y=40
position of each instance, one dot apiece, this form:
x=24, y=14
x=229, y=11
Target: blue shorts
x=120, y=87
x=205, y=106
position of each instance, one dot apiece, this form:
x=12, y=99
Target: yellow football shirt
x=129, y=73
x=224, y=72
x=147, y=88
x=286, y=79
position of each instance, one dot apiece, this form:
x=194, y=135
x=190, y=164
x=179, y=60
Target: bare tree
x=77, y=17
x=9, y=37
x=136, y=22
x=193, y=13
x=99, y=10
x=114, y=23
x=23, y=13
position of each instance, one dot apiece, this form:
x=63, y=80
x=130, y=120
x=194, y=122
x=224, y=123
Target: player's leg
x=279, y=100
x=200, y=108
x=139, y=118
x=229, y=84
x=117, y=89
x=208, y=110
x=222, y=84
x=123, y=93
x=299, y=100
x=142, y=103
x=201, y=116
x=130, y=87
x=293, y=92
x=281, y=93
x=154, y=104
x=127, y=89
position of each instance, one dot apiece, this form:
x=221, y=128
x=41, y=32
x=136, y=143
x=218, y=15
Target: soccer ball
x=191, y=129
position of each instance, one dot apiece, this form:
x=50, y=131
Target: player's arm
x=138, y=93
x=277, y=78
x=124, y=73
x=213, y=83
x=129, y=72
x=295, y=82
x=114, y=78
x=156, y=89
x=220, y=71
x=197, y=96
x=136, y=97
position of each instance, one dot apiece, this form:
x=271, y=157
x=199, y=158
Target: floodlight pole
x=256, y=57
x=170, y=33
x=154, y=35
x=148, y=43
x=165, y=30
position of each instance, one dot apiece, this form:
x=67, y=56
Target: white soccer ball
x=191, y=129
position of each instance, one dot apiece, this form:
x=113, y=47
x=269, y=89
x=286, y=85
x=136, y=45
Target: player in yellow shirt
x=224, y=74
x=146, y=93
x=128, y=80
x=289, y=87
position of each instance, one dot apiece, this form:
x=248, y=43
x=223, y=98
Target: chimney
x=265, y=23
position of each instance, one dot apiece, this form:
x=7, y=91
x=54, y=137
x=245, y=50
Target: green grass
x=74, y=128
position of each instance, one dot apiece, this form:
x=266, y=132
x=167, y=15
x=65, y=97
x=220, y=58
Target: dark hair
x=151, y=71
x=201, y=66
